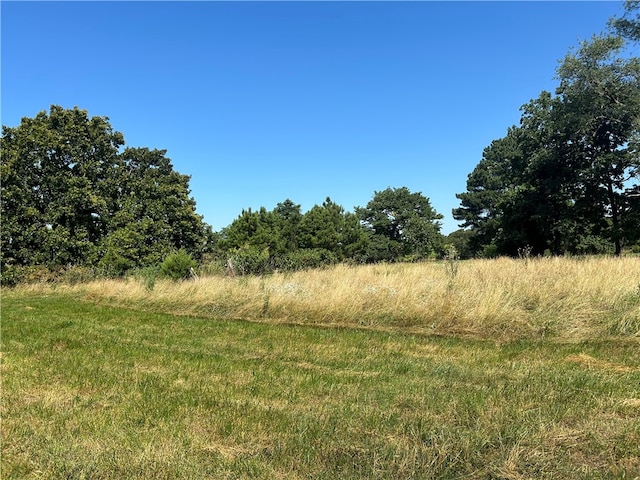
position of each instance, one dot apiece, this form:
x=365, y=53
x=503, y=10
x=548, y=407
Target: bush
x=249, y=260
x=13, y=275
x=114, y=264
x=592, y=245
x=177, y=265
x=75, y=274
x=307, y=258
x=147, y=276
x=490, y=251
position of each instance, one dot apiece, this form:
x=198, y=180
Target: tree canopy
x=73, y=195
x=566, y=179
x=559, y=182
x=286, y=238
x=395, y=225
x=400, y=224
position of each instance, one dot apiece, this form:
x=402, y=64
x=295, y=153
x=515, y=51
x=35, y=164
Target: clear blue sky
x=263, y=101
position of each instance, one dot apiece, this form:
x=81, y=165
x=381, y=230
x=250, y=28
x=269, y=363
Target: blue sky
x=263, y=101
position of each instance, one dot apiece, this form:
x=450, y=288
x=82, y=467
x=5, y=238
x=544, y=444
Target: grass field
x=504, y=300
x=117, y=380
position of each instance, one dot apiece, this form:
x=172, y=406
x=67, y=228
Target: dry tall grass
x=502, y=299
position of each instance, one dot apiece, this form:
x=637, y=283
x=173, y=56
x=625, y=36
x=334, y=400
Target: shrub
x=147, y=276
x=74, y=274
x=250, y=260
x=11, y=275
x=592, y=244
x=177, y=265
x=114, y=264
x=304, y=259
x=490, y=251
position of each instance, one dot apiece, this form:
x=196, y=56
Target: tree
x=70, y=196
x=460, y=240
x=628, y=26
x=256, y=241
x=151, y=212
x=328, y=227
x=400, y=224
x=288, y=218
x=599, y=105
x=284, y=238
x=557, y=181
x=488, y=186
x=53, y=202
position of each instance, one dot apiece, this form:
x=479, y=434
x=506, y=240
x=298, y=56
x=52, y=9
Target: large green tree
x=401, y=224
x=557, y=181
x=257, y=229
x=288, y=217
x=151, y=212
x=520, y=194
x=54, y=172
x=71, y=196
x=259, y=241
x=329, y=227
x=599, y=107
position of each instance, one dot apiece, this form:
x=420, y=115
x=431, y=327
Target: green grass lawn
x=95, y=392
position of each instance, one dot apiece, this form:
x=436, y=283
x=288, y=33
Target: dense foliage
x=566, y=179
x=400, y=224
x=395, y=225
x=73, y=195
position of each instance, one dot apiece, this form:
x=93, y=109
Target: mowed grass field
x=390, y=371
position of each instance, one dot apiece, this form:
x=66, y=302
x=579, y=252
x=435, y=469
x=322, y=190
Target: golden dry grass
x=502, y=299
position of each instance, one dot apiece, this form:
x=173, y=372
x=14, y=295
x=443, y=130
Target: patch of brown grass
x=501, y=299
x=591, y=362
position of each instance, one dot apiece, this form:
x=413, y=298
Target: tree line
x=74, y=195
x=565, y=180
x=396, y=224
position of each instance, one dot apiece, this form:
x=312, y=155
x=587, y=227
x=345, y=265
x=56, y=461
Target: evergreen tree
x=558, y=182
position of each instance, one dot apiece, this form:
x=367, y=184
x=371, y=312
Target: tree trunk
x=615, y=220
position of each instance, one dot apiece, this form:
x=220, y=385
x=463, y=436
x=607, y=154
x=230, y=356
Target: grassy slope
x=105, y=392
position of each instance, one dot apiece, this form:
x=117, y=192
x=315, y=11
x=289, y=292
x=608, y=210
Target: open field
x=502, y=300
x=98, y=382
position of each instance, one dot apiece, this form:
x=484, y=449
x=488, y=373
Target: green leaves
x=284, y=238
x=628, y=26
x=401, y=224
x=557, y=181
x=178, y=265
x=52, y=168
x=151, y=202
x=69, y=196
